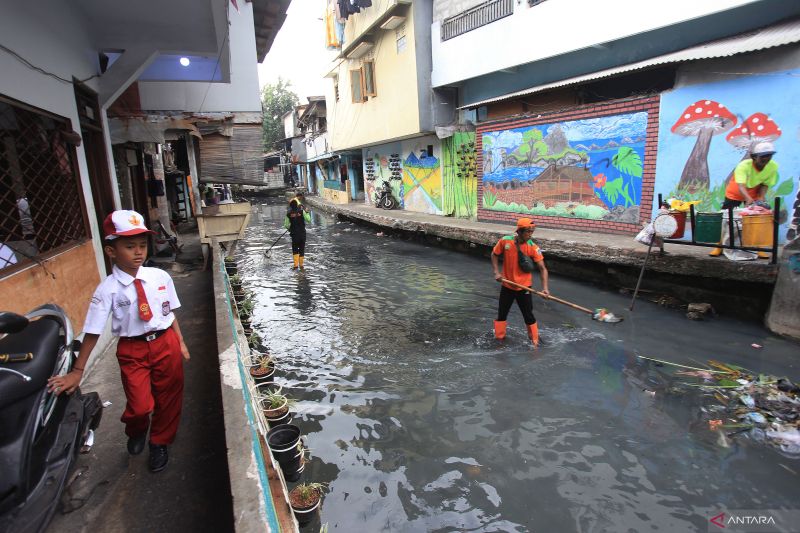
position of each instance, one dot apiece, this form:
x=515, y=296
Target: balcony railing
x=476, y=17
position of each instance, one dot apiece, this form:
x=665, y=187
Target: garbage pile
x=764, y=407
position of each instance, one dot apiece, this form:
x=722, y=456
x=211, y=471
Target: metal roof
x=769, y=37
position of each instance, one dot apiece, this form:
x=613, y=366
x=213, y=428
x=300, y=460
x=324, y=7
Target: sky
x=298, y=53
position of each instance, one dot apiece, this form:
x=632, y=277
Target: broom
x=600, y=314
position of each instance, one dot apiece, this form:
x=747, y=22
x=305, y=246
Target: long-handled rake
x=266, y=254
x=601, y=314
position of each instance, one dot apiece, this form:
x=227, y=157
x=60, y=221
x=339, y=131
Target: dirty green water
x=418, y=420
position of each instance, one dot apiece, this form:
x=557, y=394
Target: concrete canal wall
x=688, y=274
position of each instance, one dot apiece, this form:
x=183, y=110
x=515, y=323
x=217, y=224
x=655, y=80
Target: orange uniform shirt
x=507, y=249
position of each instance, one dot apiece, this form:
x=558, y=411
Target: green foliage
x=784, y=188
x=276, y=100
x=615, y=188
x=246, y=306
x=263, y=361
x=275, y=399
x=627, y=161
x=489, y=199
x=307, y=490
x=591, y=212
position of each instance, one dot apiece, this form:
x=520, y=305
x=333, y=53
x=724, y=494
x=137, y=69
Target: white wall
x=55, y=40
x=241, y=94
x=570, y=25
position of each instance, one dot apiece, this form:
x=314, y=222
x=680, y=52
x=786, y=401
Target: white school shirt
x=117, y=295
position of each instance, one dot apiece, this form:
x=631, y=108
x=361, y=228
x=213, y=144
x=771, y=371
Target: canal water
x=419, y=420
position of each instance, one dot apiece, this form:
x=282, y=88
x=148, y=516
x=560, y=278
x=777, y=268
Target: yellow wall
x=394, y=112
x=76, y=278
x=337, y=197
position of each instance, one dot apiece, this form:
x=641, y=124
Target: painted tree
x=532, y=147
x=276, y=100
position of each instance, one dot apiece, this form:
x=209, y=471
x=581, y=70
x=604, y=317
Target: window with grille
x=475, y=17
x=40, y=194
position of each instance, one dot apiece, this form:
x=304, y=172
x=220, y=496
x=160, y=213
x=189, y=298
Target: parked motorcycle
x=41, y=433
x=384, y=197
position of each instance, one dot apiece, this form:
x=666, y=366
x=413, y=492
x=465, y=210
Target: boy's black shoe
x=158, y=457
x=136, y=444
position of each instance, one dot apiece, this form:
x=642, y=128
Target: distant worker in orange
x=519, y=255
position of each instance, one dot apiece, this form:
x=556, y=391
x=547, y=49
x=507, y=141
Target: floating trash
x=764, y=407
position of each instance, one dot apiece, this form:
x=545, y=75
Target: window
x=336, y=87
x=400, y=37
x=40, y=199
x=357, y=86
x=477, y=16
x=368, y=71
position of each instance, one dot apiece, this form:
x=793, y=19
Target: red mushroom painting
x=756, y=128
x=703, y=119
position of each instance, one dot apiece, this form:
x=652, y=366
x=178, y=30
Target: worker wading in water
x=519, y=270
x=296, y=217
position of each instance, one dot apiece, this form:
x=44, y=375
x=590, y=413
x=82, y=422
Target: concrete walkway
x=114, y=492
x=687, y=273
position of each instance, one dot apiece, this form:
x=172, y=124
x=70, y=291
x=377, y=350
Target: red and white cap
x=124, y=223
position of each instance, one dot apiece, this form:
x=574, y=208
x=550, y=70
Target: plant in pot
x=255, y=344
x=230, y=265
x=304, y=499
x=246, y=309
x=263, y=369
x=276, y=406
x=236, y=283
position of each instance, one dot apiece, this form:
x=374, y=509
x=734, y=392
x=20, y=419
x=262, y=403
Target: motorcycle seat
x=42, y=338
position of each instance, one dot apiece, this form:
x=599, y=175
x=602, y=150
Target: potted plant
x=254, y=342
x=230, y=265
x=236, y=282
x=276, y=407
x=246, y=309
x=263, y=369
x=304, y=499
x=240, y=295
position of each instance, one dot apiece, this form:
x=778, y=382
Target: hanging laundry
x=332, y=41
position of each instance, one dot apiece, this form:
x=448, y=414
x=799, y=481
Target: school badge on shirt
x=165, y=308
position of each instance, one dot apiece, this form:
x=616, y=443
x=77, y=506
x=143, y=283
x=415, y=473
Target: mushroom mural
x=756, y=128
x=703, y=119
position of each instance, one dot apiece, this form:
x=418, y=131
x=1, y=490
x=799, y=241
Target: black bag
x=525, y=261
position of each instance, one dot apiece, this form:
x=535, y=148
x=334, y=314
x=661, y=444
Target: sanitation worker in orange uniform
x=519, y=271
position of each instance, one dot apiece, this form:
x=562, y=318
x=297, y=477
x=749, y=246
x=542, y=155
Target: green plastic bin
x=708, y=227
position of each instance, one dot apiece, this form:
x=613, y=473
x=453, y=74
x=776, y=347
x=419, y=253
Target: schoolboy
x=509, y=248
x=150, y=350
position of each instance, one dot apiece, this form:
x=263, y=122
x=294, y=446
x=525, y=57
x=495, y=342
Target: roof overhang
x=776, y=35
x=268, y=17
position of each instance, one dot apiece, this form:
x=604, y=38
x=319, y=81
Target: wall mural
x=589, y=168
x=383, y=163
x=460, y=187
x=415, y=176
x=422, y=183
x=705, y=130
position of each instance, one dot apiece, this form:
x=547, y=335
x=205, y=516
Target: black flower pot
x=283, y=440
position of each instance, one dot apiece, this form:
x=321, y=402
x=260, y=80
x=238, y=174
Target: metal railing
x=476, y=17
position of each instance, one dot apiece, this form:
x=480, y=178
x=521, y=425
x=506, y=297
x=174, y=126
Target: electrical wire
x=41, y=70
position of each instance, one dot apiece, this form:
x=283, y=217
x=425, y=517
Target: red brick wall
x=649, y=104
